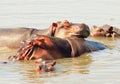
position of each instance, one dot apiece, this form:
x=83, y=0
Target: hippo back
x=12, y=37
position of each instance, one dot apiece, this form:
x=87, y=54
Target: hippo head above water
x=44, y=66
x=105, y=30
x=66, y=29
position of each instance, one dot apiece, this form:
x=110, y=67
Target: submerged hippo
x=106, y=31
x=69, y=41
x=44, y=66
x=12, y=37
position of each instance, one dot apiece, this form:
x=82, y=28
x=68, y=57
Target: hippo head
x=33, y=49
x=106, y=30
x=44, y=65
x=66, y=29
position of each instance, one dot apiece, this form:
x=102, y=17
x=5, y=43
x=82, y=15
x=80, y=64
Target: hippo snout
x=12, y=58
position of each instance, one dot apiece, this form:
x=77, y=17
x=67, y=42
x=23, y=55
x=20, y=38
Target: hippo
x=45, y=66
x=105, y=31
x=69, y=41
x=12, y=37
x=66, y=29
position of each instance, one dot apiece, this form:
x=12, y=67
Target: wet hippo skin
x=50, y=48
x=105, y=31
x=64, y=39
x=12, y=37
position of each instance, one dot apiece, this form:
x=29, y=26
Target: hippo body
x=98, y=45
x=50, y=48
x=11, y=37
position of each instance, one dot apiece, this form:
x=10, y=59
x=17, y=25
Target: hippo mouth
x=22, y=54
x=80, y=34
x=27, y=55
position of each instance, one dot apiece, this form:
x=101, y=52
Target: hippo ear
x=54, y=25
x=94, y=26
x=52, y=29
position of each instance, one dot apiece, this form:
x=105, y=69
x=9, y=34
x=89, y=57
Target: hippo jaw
x=82, y=31
x=25, y=56
x=80, y=34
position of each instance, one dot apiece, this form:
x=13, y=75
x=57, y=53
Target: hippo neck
x=78, y=36
x=76, y=45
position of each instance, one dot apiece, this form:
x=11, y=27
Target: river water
x=101, y=67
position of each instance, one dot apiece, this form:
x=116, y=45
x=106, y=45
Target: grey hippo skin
x=63, y=40
x=11, y=37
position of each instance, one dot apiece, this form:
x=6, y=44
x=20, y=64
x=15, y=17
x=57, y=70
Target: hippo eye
x=30, y=43
x=99, y=30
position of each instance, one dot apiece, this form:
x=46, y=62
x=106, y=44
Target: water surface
x=101, y=67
